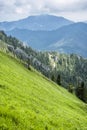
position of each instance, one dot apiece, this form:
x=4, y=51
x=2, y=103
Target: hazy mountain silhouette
x=69, y=39
x=38, y=22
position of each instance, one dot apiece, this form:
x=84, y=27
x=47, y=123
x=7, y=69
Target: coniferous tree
x=28, y=63
x=80, y=91
x=58, y=79
x=52, y=78
x=70, y=88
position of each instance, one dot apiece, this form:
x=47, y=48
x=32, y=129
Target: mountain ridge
x=38, y=22
x=67, y=39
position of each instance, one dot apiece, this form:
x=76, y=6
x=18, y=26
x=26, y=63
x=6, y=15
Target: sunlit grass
x=29, y=101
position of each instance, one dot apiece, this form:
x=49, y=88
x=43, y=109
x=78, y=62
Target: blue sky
x=11, y=10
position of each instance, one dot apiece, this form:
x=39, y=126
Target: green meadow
x=30, y=101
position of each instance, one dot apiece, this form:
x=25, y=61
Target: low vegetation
x=30, y=101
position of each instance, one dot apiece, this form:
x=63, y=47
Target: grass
x=3, y=46
x=29, y=101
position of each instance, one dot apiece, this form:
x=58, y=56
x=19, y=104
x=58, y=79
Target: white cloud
x=16, y=9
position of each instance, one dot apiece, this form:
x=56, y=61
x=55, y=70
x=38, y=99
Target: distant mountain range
x=67, y=39
x=47, y=32
x=39, y=22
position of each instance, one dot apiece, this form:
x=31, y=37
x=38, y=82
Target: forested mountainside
x=71, y=69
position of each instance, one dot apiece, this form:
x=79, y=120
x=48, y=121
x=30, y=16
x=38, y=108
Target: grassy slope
x=28, y=101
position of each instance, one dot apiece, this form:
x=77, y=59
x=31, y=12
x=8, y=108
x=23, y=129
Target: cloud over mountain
x=15, y=9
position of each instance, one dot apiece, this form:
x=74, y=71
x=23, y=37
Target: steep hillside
x=29, y=101
x=71, y=68
x=38, y=22
x=67, y=39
